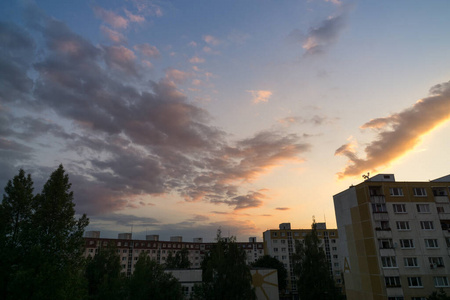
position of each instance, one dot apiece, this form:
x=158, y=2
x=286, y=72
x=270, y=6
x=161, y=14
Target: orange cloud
x=260, y=95
x=399, y=133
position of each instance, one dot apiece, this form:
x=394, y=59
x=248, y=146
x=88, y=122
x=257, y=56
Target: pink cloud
x=147, y=50
x=177, y=76
x=111, y=18
x=134, y=18
x=196, y=60
x=260, y=95
x=114, y=36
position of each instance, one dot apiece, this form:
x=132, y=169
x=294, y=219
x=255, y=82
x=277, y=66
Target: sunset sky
x=183, y=117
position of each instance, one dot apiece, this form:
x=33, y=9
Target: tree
x=225, y=274
x=178, y=261
x=441, y=295
x=15, y=224
x=270, y=262
x=103, y=275
x=314, y=279
x=149, y=281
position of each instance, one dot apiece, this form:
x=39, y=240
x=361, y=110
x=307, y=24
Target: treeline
x=42, y=254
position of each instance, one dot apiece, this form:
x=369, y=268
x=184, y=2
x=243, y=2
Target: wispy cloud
x=111, y=18
x=113, y=35
x=260, y=95
x=398, y=133
x=147, y=50
x=196, y=60
x=211, y=40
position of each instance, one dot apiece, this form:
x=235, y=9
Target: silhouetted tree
x=46, y=239
x=103, y=275
x=149, y=281
x=270, y=262
x=441, y=295
x=15, y=240
x=314, y=279
x=178, y=261
x=225, y=272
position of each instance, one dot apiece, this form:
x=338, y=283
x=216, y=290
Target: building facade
x=394, y=238
x=129, y=249
x=280, y=244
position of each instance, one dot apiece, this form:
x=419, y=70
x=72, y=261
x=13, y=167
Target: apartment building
x=280, y=244
x=129, y=249
x=394, y=238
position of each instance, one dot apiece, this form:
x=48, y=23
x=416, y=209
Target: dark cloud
x=282, y=208
x=398, y=133
x=126, y=137
x=319, y=39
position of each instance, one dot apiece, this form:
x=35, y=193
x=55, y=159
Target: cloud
x=398, y=133
x=147, y=50
x=282, y=208
x=196, y=60
x=211, y=40
x=320, y=38
x=112, y=35
x=122, y=137
x=134, y=18
x=315, y=120
x=177, y=76
x=111, y=18
x=121, y=58
x=260, y=95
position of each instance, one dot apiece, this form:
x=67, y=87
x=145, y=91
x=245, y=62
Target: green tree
x=15, y=224
x=314, y=279
x=149, y=281
x=441, y=295
x=270, y=262
x=225, y=273
x=178, y=261
x=103, y=275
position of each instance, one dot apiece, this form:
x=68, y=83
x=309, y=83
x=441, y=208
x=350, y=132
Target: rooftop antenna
x=366, y=176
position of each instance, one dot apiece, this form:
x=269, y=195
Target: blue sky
x=182, y=117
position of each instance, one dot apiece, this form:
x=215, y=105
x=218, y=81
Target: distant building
x=129, y=249
x=394, y=238
x=280, y=244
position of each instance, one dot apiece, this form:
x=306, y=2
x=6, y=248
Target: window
x=382, y=225
x=436, y=262
x=440, y=281
x=392, y=281
x=275, y=241
x=396, y=298
x=332, y=233
x=427, y=225
x=124, y=251
x=388, y=262
x=415, y=282
x=423, y=208
x=283, y=234
x=420, y=192
x=402, y=225
x=431, y=243
x=418, y=298
x=283, y=257
x=399, y=208
x=275, y=249
x=407, y=243
x=385, y=243
x=336, y=265
x=283, y=249
x=283, y=241
x=334, y=248
x=396, y=191
x=335, y=256
x=379, y=207
x=440, y=210
x=410, y=262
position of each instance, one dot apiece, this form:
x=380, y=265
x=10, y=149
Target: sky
x=180, y=118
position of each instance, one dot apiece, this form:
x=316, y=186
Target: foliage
x=441, y=295
x=179, y=261
x=42, y=242
x=314, y=279
x=270, y=262
x=225, y=274
x=15, y=224
x=103, y=275
x=149, y=281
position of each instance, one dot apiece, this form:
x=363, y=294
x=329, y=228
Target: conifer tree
x=225, y=272
x=15, y=224
x=314, y=279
